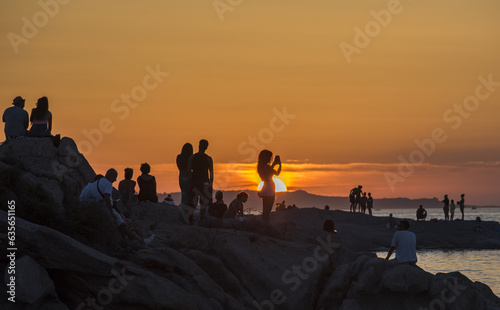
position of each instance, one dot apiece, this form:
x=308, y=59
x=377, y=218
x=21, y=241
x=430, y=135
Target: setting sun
x=279, y=186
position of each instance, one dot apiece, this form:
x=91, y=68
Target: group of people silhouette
x=146, y=182
x=17, y=120
x=196, y=178
x=449, y=207
x=360, y=201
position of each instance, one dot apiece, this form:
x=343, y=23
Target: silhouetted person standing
x=182, y=165
x=446, y=207
x=369, y=203
x=266, y=172
x=362, y=203
x=201, y=168
x=461, y=204
x=354, y=197
x=41, y=119
x=16, y=119
x=452, y=209
x=147, y=185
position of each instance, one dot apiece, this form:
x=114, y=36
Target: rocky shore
x=290, y=264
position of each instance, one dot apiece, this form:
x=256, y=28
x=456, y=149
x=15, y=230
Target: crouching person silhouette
x=100, y=191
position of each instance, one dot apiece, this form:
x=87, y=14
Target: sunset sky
x=399, y=96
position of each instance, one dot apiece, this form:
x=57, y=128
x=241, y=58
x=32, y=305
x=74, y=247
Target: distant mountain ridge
x=303, y=199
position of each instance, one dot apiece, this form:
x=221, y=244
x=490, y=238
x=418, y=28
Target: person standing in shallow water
x=446, y=207
x=147, y=185
x=266, y=172
x=461, y=204
x=182, y=164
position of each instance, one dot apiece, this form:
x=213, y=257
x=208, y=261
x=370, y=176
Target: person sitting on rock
x=218, y=208
x=147, y=185
x=169, y=200
x=41, y=122
x=16, y=119
x=101, y=191
x=41, y=119
x=405, y=244
x=236, y=206
x=127, y=186
x=280, y=206
x=421, y=213
x=329, y=226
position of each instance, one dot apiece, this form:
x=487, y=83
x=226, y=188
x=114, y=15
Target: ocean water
x=477, y=265
x=486, y=214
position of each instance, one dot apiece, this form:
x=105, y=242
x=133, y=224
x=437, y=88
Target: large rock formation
x=290, y=264
x=61, y=172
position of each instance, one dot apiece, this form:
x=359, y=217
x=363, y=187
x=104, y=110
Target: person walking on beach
x=446, y=207
x=369, y=203
x=266, y=172
x=16, y=119
x=405, y=244
x=201, y=169
x=452, y=209
x=354, y=196
x=461, y=204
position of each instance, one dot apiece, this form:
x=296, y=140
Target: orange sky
x=230, y=76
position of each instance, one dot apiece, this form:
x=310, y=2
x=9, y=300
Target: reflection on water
x=477, y=265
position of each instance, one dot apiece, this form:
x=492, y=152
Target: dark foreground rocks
x=290, y=264
x=232, y=266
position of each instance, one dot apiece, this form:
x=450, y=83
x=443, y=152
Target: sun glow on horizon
x=279, y=185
